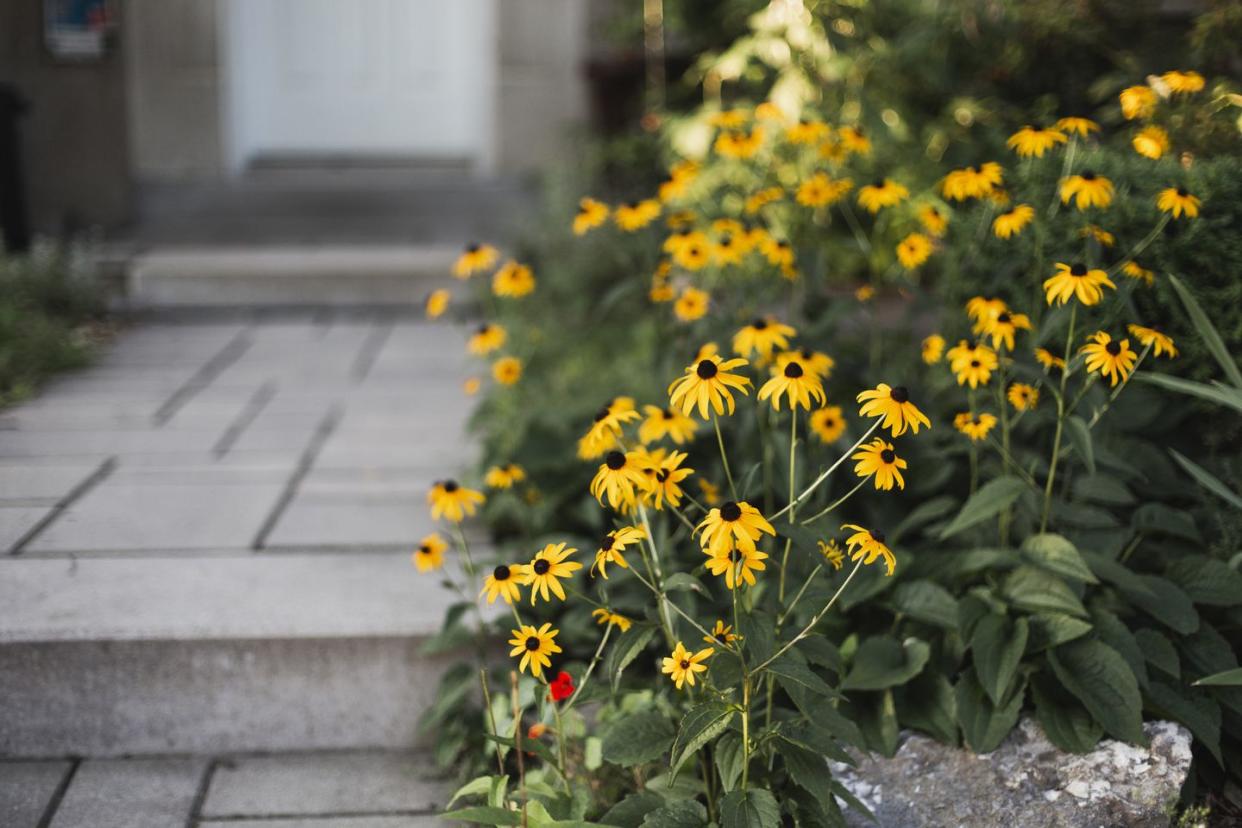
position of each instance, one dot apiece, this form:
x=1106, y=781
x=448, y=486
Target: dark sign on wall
x=77, y=29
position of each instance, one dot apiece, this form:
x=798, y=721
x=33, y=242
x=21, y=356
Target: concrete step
x=259, y=652
x=287, y=275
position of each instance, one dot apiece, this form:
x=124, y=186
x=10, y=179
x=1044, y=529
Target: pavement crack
x=75, y=494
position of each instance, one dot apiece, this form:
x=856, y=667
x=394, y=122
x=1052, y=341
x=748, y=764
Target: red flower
x=562, y=687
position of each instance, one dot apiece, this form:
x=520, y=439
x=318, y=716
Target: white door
x=403, y=78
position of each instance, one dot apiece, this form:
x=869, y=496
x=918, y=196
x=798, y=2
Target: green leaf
x=683, y=581
x=627, y=647
x=1050, y=629
x=991, y=498
x=925, y=512
x=1159, y=651
x=821, y=652
x=629, y=812
x=1117, y=574
x=1065, y=722
x=998, y=644
x=809, y=771
x=1167, y=604
x=926, y=601
x=790, y=671
x=703, y=723
x=1102, y=488
x=1227, y=678
x=479, y=786
x=758, y=631
x=683, y=813
x=1207, y=480
x=1219, y=394
x=1080, y=439
x=815, y=738
x=1195, y=709
x=641, y=737
x=1117, y=635
x=1207, y=581
x=728, y=755
x=1207, y=331
x=1058, y=556
x=876, y=714
x=926, y=703
x=754, y=808
x=1157, y=519
x=1034, y=590
x=882, y=662
x=1103, y=682
x=485, y=815
x=985, y=725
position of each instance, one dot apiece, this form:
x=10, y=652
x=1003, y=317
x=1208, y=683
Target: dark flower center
x=726, y=240
x=1088, y=175
x=473, y=247
x=878, y=183
x=601, y=414
x=614, y=460
x=1113, y=348
x=1181, y=191
x=532, y=643
x=685, y=231
x=730, y=511
x=900, y=394
x=606, y=543
x=424, y=549
x=685, y=665
x=806, y=353
x=793, y=370
x=888, y=455
x=668, y=415
x=1003, y=318
x=974, y=363
x=759, y=324
x=450, y=486
x=735, y=555
x=484, y=328
x=707, y=369
x=501, y=573
x=541, y=567
x=1078, y=270
x=829, y=422
x=877, y=536
x=630, y=205
x=662, y=475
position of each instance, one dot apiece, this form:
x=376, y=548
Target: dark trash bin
x=14, y=224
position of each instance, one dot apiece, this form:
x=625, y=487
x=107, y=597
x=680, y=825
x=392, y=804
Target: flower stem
x=1142, y=245
x=1061, y=414
x=793, y=443
x=780, y=619
x=824, y=475
x=1095, y=418
x=724, y=459
x=805, y=631
x=586, y=676
x=835, y=503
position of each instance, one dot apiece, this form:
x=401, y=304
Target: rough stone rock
x=1025, y=782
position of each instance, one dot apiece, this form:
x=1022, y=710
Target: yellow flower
x=1080, y=126
x=733, y=525
x=777, y=252
x=503, y=477
x=617, y=478
x=1094, y=231
x=913, y=250
x=814, y=362
x=545, y=570
x=820, y=190
x=513, y=279
x=1003, y=325
x=1076, y=281
x=475, y=259
x=606, y=428
x=452, y=501
x=729, y=118
x=603, y=616
x=634, y=215
x=760, y=199
x=429, y=555
x=680, y=219
x=893, y=404
x=972, y=182
x=705, y=351
x=678, y=180
x=738, y=565
x=661, y=291
x=1183, y=82
x=972, y=364
x=853, y=140
x=683, y=664
x=933, y=220
x=708, y=382
x=695, y=254
x=795, y=382
x=1087, y=190
x=486, y=339
x=1139, y=273
x=1151, y=142
x=1112, y=358
x=933, y=349
x=507, y=370
x=664, y=477
x=1137, y=102
x=665, y=422
x=833, y=554
x=711, y=492
x=868, y=544
x=722, y=634
x=691, y=305
x=1011, y=223
x=535, y=646
x=728, y=250
x=1023, y=397
x=1048, y=359
x=828, y=424
x=1159, y=343
x=502, y=582
x=976, y=428
x=761, y=336
x=879, y=459
x=591, y=214
x=982, y=310
x=612, y=546
x=880, y=194
x=1030, y=141
x=437, y=303
x=864, y=293
x=470, y=386
x=738, y=143
x=769, y=111
x=1176, y=200
x=806, y=132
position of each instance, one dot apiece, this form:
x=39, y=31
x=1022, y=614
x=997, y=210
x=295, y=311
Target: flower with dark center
x=900, y=394
x=730, y=511
x=1078, y=269
x=501, y=573
x=541, y=567
x=532, y=643
x=615, y=460
x=793, y=370
x=888, y=455
x=706, y=369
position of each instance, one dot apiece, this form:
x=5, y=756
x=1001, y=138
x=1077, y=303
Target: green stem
x=1061, y=414
x=805, y=631
x=835, y=503
x=1095, y=418
x=1142, y=245
x=780, y=619
x=824, y=475
x=657, y=576
x=586, y=676
x=724, y=459
x=793, y=485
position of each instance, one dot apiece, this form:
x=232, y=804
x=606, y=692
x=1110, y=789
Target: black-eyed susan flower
x=617, y=478
x=1076, y=281
x=682, y=237
x=976, y=427
x=502, y=582
x=769, y=111
x=1161, y=344
x=682, y=665
x=665, y=422
x=868, y=545
x=437, y=303
x=679, y=179
x=1183, y=82
x=933, y=349
x=820, y=190
x=452, y=501
x=1012, y=222
x=1029, y=141
x=513, y=280
x=972, y=364
x=487, y=337
x=733, y=524
x=1087, y=189
x=1151, y=142
x=1082, y=127
x=1108, y=357
x=893, y=404
x=664, y=477
x=545, y=570
x=756, y=201
x=606, y=427
x=710, y=491
x=722, y=635
x=815, y=362
x=827, y=423
x=507, y=370
x=603, y=616
x=832, y=553
x=934, y=220
x=429, y=554
x=881, y=193
x=879, y=461
x=696, y=254
x=738, y=565
x=1003, y=325
x=680, y=219
x=806, y=132
x=635, y=215
x=778, y=252
x=611, y=548
x=708, y=382
x=591, y=214
x=504, y=477
x=1176, y=201
x=739, y=143
x=864, y=293
x=1022, y=396
x=913, y=250
x=691, y=305
x=795, y=382
x=760, y=336
x=705, y=351
x=853, y=140
x=1138, y=273
x=476, y=258
x=1048, y=359
x=729, y=118
x=1099, y=234
x=982, y=310
x=661, y=291
x=728, y=250
x=536, y=646
x=972, y=181
x=1137, y=102
x=471, y=385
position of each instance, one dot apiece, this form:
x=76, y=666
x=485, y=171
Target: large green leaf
x=1034, y=590
x=1050, y=629
x=638, y=738
x=985, y=725
x=1159, y=651
x=1207, y=581
x=1226, y=678
x=791, y=672
x=485, y=815
x=625, y=650
x=997, y=645
x=1219, y=394
x=927, y=602
x=728, y=755
x=1066, y=723
x=809, y=771
x=883, y=661
x=1159, y=519
x=1057, y=555
x=700, y=725
x=1169, y=604
x=1193, y=708
x=1207, y=331
x=630, y=812
x=991, y=498
x=927, y=703
x=1080, y=439
x=925, y=512
x=1103, y=682
x=1113, y=632
x=753, y=808
x=1207, y=480
x=681, y=813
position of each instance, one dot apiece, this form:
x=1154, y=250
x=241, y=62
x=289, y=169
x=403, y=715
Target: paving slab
x=343, y=519
x=131, y=793
x=16, y=521
x=26, y=790
x=417, y=821
x=350, y=782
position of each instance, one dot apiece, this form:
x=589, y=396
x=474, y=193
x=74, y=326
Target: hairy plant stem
x=974, y=448
x=1095, y=418
x=491, y=719
x=834, y=504
x=1006, y=515
x=824, y=474
x=805, y=631
x=780, y=619
x=657, y=576
x=724, y=459
x=1061, y=414
x=1142, y=245
x=586, y=676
